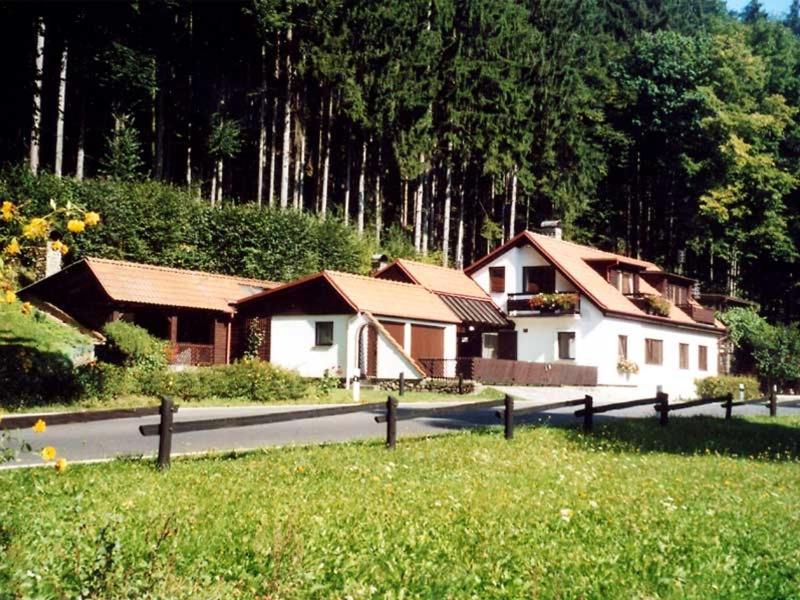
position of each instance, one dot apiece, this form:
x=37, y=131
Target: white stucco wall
x=596, y=344
x=292, y=343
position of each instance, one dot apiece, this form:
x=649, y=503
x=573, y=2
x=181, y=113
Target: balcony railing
x=192, y=354
x=701, y=314
x=558, y=303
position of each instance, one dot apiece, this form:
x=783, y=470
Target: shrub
x=714, y=387
x=103, y=380
x=253, y=379
x=132, y=346
x=657, y=305
x=29, y=376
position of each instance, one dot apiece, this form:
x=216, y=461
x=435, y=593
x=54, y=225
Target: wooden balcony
x=543, y=304
x=701, y=314
x=192, y=354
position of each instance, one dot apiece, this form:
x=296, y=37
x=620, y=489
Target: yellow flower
x=11, y=297
x=64, y=248
x=76, y=226
x=91, y=218
x=37, y=228
x=48, y=453
x=56, y=245
x=26, y=308
x=39, y=426
x=8, y=210
x=13, y=247
x=61, y=465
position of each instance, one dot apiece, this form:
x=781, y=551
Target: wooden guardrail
x=25, y=421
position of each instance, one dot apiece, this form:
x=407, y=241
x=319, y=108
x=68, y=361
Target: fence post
x=773, y=401
x=401, y=386
x=663, y=402
x=508, y=416
x=588, y=415
x=391, y=422
x=729, y=403
x=165, y=433
x=460, y=385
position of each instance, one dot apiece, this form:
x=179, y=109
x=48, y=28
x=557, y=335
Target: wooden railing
x=521, y=302
x=192, y=354
x=701, y=314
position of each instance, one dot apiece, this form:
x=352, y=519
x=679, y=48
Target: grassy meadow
x=703, y=509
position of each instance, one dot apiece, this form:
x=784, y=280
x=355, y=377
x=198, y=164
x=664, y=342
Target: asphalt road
x=120, y=437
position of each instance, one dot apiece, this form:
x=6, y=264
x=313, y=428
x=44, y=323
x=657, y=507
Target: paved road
x=120, y=437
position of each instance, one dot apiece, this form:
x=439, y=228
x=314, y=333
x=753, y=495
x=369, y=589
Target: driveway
x=103, y=440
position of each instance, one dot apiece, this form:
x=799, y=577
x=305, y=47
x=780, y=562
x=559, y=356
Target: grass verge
x=702, y=509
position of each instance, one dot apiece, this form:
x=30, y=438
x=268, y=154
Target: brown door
x=427, y=341
x=507, y=344
x=372, y=351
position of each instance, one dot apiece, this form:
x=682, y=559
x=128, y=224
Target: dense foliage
x=155, y=223
x=716, y=387
x=668, y=130
x=702, y=509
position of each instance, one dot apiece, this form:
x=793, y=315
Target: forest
x=662, y=129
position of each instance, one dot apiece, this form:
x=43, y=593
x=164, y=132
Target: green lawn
x=38, y=331
x=340, y=396
x=703, y=509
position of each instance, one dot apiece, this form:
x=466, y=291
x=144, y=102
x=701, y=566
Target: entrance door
x=507, y=344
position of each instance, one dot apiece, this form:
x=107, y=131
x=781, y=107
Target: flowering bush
x=627, y=366
x=330, y=380
x=564, y=302
x=657, y=305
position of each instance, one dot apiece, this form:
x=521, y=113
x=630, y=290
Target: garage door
x=396, y=330
x=427, y=341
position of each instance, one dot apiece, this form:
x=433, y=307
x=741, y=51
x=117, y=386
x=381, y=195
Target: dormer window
x=677, y=294
x=624, y=281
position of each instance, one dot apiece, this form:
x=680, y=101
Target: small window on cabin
x=653, y=352
x=497, y=279
x=622, y=346
x=539, y=280
x=566, y=345
x=702, y=358
x=323, y=334
x=683, y=356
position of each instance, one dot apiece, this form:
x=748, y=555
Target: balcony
x=544, y=304
x=701, y=314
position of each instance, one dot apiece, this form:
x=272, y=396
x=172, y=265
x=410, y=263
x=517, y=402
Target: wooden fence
x=500, y=371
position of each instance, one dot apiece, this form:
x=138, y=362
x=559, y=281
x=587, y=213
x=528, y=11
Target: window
x=626, y=283
x=683, y=356
x=654, y=352
x=702, y=358
x=538, y=280
x=622, y=346
x=497, y=279
x=566, y=345
x=489, y=349
x=323, y=333
x=677, y=294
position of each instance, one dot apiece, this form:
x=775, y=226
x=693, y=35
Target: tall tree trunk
x=347, y=180
x=287, y=125
x=429, y=193
x=418, y=193
x=362, y=201
x=213, y=195
x=404, y=204
x=262, y=129
x=273, y=146
x=460, y=226
x=160, y=113
x=189, y=97
x=220, y=165
x=378, y=198
x=512, y=213
x=62, y=104
x=448, y=191
x=81, y=155
x=33, y=157
x=326, y=165
x=300, y=172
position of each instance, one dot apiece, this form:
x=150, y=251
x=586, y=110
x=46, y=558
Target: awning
x=475, y=311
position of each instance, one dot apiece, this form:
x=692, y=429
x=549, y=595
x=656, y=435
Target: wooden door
x=507, y=344
x=396, y=330
x=372, y=351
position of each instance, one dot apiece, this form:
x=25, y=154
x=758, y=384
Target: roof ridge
x=175, y=269
x=425, y=264
x=368, y=278
x=584, y=246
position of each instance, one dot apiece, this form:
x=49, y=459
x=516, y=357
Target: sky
x=773, y=7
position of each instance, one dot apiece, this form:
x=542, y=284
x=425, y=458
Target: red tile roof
x=165, y=286
x=439, y=279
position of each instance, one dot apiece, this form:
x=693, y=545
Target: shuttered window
x=622, y=346
x=566, y=345
x=497, y=279
x=683, y=356
x=702, y=358
x=653, y=352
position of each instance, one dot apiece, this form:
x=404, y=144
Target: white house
x=351, y=324
x=574, y=304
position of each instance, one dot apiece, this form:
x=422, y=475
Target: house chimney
x=379, y=261
x=552, y=228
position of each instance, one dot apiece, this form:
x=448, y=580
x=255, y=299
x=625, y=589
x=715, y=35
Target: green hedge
x=152, y=222
x=714, y=387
